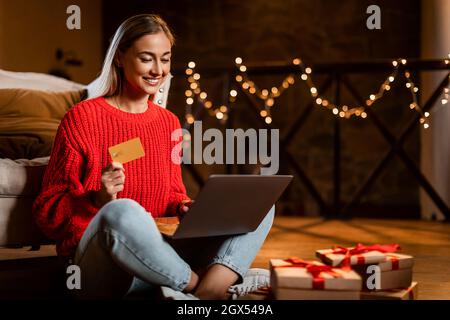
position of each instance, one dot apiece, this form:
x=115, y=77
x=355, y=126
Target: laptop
x=228, y=205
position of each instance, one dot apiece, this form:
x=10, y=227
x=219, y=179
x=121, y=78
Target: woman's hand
x=185, y=205
x=112, y=181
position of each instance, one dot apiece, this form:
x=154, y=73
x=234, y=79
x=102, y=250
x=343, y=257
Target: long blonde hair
x=109, y=83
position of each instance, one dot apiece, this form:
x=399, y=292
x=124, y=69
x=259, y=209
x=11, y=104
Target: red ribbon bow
x=359, y=249
x=314, y=269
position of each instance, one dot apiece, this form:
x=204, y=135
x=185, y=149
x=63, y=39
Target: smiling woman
x=104, y=223
x=137, y=63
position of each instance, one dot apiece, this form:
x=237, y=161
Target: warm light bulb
x=203, y=95
x=313, y=90
x=394, y=63
x=243, y=68
x=219, y=115
x=189, y=71
x=188, y=93
x=196, y=76
x=363, y=115
x=415, y=89
x=263, y=113
x=308, y=70
x=223, y=109
x=268, y=120
x=208, y=104
x=233, y=93
x=269, y=102
x=239, y=78
x=372, y=97
x=427, y=114
x=335, y=111
x=238, y=60
x=412, y=105
x=190, y=119
x=191, y=64
x=304, y=76
x=296, y=61
x=325, y=103
x=403, y=61
x=391, y=79
x=252, y=90
x=319, y=101
x=265, y=92
x=444, y=101
x=425, y=125
x=189, y=101
x=408, y=85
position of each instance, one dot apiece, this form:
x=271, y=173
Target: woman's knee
x=267, y=222
x=124, y=214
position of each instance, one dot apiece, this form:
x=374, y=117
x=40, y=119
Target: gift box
x=297, y=279
x=358, y=255
x=410, y=293
x=396, y=261
x=395, y=272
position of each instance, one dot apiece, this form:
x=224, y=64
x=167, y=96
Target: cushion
x=30, y=118
x=20, y=182
x=36, y=81
x=22, y=177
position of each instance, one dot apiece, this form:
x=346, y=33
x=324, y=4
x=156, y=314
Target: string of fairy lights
x=269, y=96
x=195, y=92
x=445, y=91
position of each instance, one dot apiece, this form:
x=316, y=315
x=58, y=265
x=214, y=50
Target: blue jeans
x=122, y=252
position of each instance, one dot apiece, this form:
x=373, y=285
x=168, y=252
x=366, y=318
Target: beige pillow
x=29, y=120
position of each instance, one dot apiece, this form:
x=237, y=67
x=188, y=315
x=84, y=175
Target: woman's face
x=147, y=62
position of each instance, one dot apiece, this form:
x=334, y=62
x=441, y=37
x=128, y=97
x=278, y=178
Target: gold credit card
x=127, y=151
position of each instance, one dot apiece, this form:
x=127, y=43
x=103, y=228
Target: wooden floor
x=428, y=242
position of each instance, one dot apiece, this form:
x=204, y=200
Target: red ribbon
x=359, y=249
x=394, y=261
x=314, y=269
x=410, y=293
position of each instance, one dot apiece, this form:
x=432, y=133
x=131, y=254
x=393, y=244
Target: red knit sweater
x=64, y=209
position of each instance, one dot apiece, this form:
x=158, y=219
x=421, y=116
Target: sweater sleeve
x=63, y=208
x=178, y=190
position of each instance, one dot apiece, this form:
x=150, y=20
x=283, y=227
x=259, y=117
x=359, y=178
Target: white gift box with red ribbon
x=396, y=261
x=336, y=259
x=285, y=274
